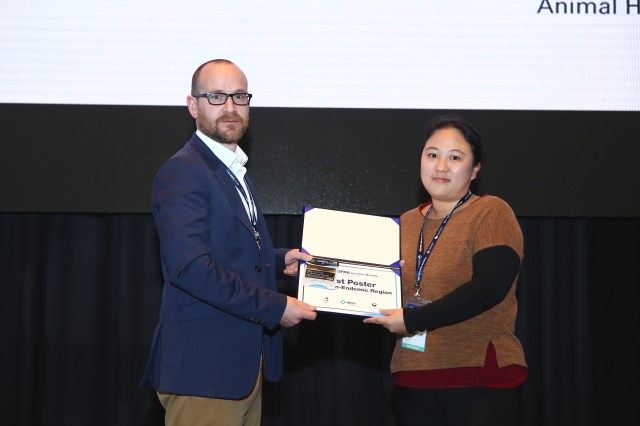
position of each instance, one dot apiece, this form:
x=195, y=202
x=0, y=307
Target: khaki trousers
x=185, y=410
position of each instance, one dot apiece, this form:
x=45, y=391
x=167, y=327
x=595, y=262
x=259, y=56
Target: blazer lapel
x=234, y=198
x=220, y=172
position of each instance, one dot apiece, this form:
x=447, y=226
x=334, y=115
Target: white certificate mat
x=356, y=266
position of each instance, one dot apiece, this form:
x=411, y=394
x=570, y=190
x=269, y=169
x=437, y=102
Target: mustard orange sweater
x=471, y=278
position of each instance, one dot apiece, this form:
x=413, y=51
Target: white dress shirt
x=235, y=161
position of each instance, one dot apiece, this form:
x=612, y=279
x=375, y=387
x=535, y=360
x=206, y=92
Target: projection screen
x=83, y=77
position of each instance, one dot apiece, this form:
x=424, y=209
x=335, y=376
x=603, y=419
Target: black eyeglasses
x=221, y=98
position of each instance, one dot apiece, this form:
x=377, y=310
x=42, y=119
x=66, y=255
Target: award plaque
x=355, y=268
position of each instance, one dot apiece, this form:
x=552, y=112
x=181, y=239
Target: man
x=219, y=328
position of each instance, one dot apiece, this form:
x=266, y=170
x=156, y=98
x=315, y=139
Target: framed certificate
x=356, y=262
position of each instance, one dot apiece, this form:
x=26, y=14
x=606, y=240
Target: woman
x=457, y=360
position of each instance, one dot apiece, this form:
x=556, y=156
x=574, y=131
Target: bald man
x=219, y=330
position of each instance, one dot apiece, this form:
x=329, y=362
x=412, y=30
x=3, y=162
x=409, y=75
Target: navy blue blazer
x=220, y=307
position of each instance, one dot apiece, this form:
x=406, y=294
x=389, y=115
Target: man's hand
x=291, y=261
x=297, y=311
x=392, y=321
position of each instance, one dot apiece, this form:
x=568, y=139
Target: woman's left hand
x=393, y=320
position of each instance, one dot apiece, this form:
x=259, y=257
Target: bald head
x=211, y=66
x=224, y=122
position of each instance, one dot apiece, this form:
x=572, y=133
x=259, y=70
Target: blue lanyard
x=421, y=258
x=251, y=206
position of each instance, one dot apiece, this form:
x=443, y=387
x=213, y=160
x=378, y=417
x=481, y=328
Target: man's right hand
x=297, y=311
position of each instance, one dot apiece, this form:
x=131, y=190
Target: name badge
x=417, y=342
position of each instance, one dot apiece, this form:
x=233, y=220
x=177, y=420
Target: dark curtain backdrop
x=81, y=293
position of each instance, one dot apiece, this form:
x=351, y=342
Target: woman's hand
x=393, y=320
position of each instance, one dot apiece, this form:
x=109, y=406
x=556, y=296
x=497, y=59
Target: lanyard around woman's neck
x=421, y=258
x=251, y=205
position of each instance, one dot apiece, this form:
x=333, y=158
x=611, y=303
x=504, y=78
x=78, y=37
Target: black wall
x=79, y=158
x=80, y=295
x=81, y=288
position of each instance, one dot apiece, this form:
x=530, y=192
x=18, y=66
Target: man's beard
x=229, y=136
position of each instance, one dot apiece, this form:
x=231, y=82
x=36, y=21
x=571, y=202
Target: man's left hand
x=291, y=260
